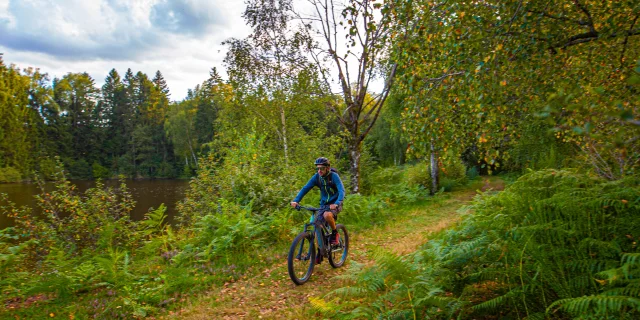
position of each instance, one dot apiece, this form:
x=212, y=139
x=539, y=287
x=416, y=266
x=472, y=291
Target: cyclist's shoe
x=335, y=239
x=318, y=259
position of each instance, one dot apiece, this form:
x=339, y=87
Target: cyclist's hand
x=294, y=204
x=332, y=206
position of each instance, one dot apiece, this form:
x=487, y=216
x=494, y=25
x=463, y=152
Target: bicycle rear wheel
x=301, y=259
x=338, y=253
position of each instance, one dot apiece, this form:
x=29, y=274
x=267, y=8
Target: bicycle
x=302, y=254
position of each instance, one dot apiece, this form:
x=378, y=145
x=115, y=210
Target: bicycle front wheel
x=338, y=253
x=302, y=257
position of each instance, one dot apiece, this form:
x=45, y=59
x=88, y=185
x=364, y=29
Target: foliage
x=119, y=127
x=454, y=169
x=16, y=121
x=556, y=243
x=473, y=79
x=47, y=168
x=229, y=231
x=9, y=174
x=419, y=175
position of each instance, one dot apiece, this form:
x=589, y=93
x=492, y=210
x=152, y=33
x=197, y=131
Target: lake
x=146, y=193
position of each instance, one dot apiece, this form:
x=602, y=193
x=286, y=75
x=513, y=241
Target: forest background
x=470, y=88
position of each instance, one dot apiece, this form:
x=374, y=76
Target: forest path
x=270, y=294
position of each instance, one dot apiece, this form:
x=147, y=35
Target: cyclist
x=331, y=195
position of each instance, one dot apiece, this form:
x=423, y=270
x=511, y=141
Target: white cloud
x=181, y=38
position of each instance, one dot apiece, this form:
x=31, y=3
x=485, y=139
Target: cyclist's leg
x=331, y=216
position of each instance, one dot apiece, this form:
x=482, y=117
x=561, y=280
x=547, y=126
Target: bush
x=419, y=175
x=47, y=168
x=472, y=173
x=100, y=172
x=455, y=170
x=447, y=184
x=166, y=170
x=79, y=169
x=9, y=174
x=360, y=209
x=228, y=232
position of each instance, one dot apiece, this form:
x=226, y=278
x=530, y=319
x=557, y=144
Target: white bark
x=284, y=137
x=434, y=169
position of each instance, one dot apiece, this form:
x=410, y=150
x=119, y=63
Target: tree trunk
x=193, y=154
x=354, y=165
x=284, y=137
x=435, y=179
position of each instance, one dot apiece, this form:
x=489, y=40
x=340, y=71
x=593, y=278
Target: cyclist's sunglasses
x=321, y=168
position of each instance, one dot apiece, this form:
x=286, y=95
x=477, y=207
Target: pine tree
x=161, y=84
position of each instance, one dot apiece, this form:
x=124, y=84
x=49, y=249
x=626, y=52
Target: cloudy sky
x=181, y=38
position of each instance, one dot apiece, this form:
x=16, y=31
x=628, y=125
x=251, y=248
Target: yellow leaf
x=487, y=59
x=503, y=83
x=499, y=47
x=462, y=14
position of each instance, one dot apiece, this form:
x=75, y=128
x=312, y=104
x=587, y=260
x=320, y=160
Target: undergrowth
x=555, y=244
x=85, y=258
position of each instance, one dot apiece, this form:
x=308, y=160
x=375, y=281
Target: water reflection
x=147, y=194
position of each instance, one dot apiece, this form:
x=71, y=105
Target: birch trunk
x=354, y=169
x=435, y=179
x=284, y=137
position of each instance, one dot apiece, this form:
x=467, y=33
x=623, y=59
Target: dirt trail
x=271, y=294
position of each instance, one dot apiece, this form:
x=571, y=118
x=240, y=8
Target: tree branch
x=547, y=15
x=626, y=40
x=386, y=90
x=582, y=8
x=591, y=36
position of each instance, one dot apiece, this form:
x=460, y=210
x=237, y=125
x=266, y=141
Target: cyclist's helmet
x=322, y=161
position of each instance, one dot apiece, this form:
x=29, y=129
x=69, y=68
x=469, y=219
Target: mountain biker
x=331, y=195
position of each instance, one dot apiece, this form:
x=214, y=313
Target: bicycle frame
x=318, y=233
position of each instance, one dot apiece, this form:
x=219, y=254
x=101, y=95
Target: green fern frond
x=631, y=258
x=631, y=290
x=435, y=301
x=395, y=267
x=497, y=302
x=602, y=246
x=153, y=220
x=321, y=305
x=590, y=265
x=362, y=312
x=536, y=316
x=596, y=304
x=349, y=292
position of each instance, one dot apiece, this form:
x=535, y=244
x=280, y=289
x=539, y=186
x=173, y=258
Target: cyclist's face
x=322, y=170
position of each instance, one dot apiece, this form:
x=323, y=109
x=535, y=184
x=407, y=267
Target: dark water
x=146, y=193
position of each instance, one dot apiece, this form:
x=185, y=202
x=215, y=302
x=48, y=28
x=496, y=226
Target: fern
x=597, y=304
x=554, y=243
x=153, y=220
x=321, y=305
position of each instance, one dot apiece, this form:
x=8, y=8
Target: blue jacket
x=331, y=189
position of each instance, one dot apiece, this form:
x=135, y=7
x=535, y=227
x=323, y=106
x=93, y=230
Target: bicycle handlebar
x=307, y=208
